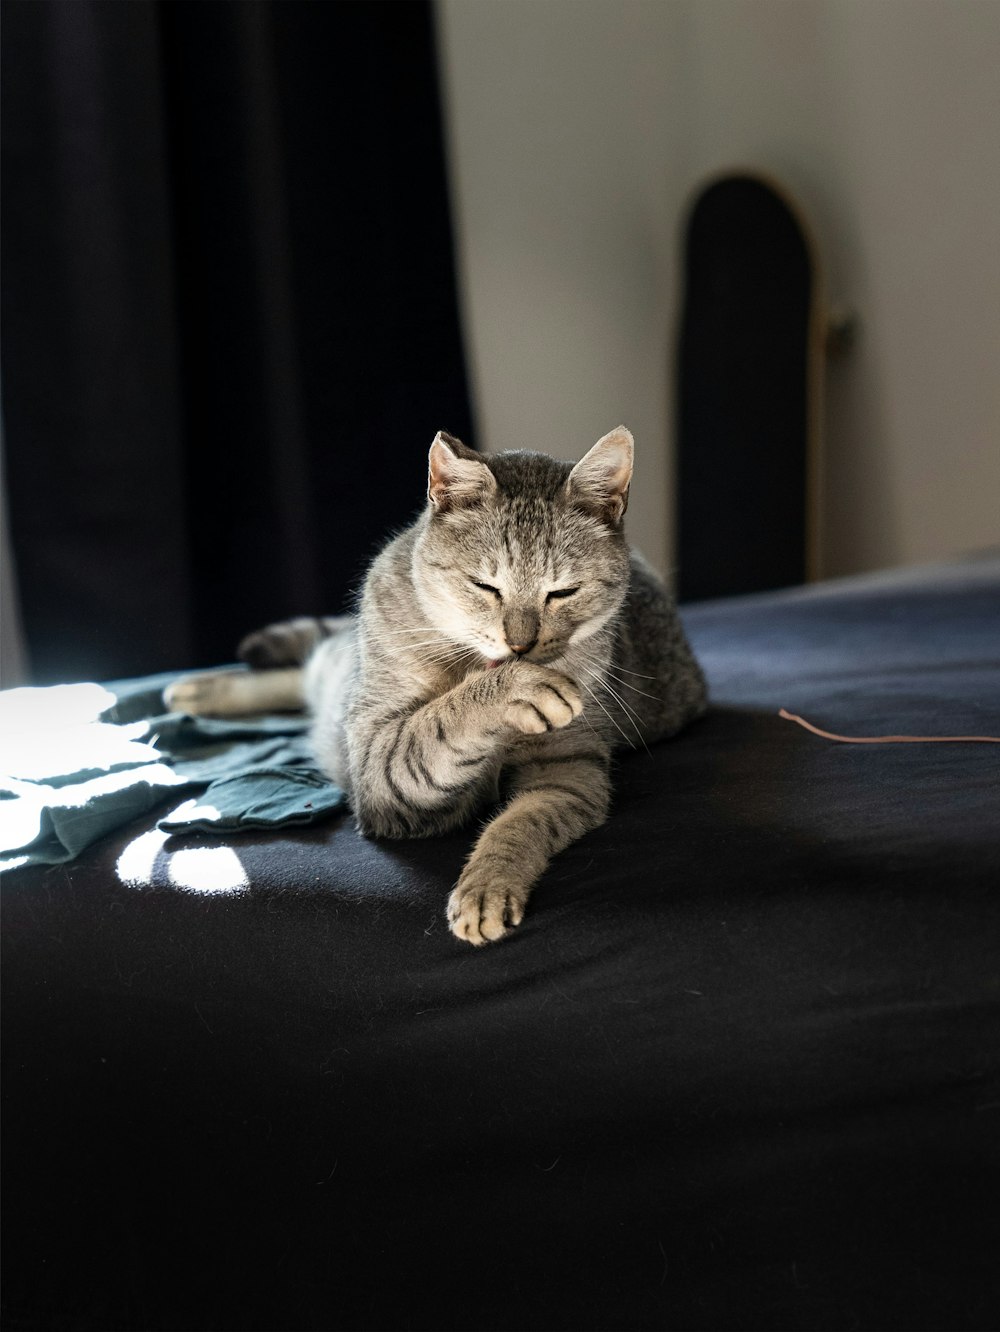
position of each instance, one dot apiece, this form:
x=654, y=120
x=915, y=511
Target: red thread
x=892, y=739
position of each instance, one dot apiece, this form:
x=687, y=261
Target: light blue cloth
x=78, y=761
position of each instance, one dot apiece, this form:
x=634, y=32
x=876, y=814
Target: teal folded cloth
x=79, y=761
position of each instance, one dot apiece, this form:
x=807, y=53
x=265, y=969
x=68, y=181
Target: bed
x=737, y=1070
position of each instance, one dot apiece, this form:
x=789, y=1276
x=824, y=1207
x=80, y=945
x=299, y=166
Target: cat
x=505, y=644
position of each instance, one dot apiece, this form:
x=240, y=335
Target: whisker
x=444, y=661
x=596, y=661
x=604, y=671
x=432, y=643
x=435, y=645
x=452, y=658
x=625, y=685
x=607, y=714
x=631, y=715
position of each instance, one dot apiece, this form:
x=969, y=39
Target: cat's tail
x=289, y=643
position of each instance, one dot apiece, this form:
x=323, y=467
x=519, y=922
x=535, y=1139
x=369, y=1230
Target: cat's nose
x=520, y=629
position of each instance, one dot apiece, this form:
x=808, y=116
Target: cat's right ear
x=456, y=475
x=600, y=480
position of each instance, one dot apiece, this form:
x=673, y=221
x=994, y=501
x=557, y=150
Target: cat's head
x=521, y=554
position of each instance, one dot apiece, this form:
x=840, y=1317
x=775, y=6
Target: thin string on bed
x=892, y=739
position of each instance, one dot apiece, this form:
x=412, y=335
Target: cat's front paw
x=541, y=699
x=483, y=908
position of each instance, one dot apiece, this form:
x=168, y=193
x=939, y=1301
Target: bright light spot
x=137, y=862
x=54, y=731
x=21, y=819
x=146, y=863
x=57, y=705
x=193, y=809
x=207, y=869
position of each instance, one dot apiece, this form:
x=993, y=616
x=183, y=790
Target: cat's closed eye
x=559, y=592
x=485, y=587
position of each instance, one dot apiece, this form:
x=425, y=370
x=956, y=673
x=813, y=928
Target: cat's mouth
x=492, y=663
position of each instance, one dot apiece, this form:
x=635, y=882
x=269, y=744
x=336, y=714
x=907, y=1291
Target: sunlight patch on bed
x=207, y=869
x=146, y=863
x=137, y=863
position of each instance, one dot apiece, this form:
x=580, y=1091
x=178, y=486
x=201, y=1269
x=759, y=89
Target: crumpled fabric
x=78, y=761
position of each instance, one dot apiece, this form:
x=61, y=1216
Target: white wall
x=577, y=130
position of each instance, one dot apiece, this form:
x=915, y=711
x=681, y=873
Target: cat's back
x=387, y=591
x=656, y=671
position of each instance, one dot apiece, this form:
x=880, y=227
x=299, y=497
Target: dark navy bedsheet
x=737, y=1070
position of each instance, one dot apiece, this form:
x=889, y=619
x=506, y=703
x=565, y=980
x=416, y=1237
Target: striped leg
x=554, y=803
x=290, y=642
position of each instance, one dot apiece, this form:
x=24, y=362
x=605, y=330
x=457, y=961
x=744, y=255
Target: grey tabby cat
x=505, y=644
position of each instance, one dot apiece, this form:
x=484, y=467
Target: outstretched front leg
x=554, y=802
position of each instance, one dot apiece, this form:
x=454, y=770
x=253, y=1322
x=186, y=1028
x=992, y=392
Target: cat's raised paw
x=482, y=911
x=541, y=699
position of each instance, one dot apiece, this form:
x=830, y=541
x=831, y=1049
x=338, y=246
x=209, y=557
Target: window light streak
x=21, y=819
x=194, y=809
x=147, y=863
x=55, y=731
x=137, y=863
x=207, y=869
x=53, y=706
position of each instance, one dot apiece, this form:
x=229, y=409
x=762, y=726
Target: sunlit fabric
x=50, y=732
x=78, y=761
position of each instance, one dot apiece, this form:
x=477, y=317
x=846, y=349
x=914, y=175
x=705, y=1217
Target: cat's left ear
x=600, y=480
x=457, y=474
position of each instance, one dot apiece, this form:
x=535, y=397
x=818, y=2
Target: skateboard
x=750, y=359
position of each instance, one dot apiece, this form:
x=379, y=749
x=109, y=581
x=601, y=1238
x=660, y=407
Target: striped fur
x=424, y=711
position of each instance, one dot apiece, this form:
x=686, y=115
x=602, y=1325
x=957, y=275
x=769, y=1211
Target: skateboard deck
x=749, y=365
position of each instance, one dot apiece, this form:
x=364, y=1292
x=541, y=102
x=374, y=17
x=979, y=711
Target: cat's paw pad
x=482, y=910
x=543, y=701
x=198, y=695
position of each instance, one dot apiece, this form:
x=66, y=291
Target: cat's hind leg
x=276, y=679
x=290, y=642
x=236, y=693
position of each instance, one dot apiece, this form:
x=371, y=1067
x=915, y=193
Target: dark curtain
x=230, y=318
